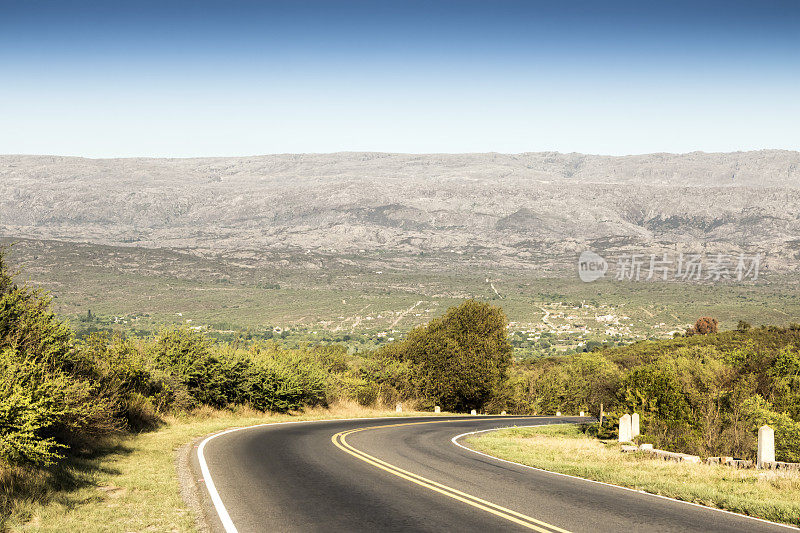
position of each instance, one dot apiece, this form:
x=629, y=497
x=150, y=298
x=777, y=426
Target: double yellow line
x=518, y=518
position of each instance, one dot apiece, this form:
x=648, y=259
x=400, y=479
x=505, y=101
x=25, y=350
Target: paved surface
x=407, y=475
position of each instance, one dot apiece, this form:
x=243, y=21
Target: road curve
x=405, y=474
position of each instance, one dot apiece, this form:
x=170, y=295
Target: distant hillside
x=533, y=210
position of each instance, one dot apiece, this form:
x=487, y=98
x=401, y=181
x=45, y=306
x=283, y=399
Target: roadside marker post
x=625, y=428
x=635, y=425
x=766, y=446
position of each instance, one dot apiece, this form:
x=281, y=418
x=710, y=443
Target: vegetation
x=564, y=448
x=64, y=400
x=701, y=394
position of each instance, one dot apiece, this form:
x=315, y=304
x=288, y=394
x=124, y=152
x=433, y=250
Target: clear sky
x=196, y=78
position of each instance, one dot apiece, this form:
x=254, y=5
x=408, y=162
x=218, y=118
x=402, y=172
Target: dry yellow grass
x=133, y=486
x=766, y=494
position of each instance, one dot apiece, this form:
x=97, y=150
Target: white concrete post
x=625, y=428
x=766, y=446
x=635, y=425
x=583, y=414
x=437, y=409
x=399, y=408
x=558, y=413
x=473, y=412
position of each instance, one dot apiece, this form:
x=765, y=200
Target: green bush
x=143, y=392
x=609, y=429
x=51, y=399
x=284, y=382
x=24, y=414
x=186, y=355
x=570, y=384
x=44, y=412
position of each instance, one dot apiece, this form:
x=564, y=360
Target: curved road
x=407, y=475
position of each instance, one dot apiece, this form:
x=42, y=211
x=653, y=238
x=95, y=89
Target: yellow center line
x=339, y=440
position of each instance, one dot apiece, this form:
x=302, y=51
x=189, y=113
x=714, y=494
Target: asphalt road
x=407, y=475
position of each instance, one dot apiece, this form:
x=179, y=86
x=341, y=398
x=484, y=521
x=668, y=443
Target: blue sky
x=108, y=79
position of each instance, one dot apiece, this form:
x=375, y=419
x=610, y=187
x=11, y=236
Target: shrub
x=785, y=374
x=143, y=392
x=50, y=397
x=186, y=354
x=285, y=382
x=29, y=326
x=654, y=389
x=609, y=429
x=44, y=412
x=24, y=416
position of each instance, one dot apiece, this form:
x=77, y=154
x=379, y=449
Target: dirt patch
x=112, y=491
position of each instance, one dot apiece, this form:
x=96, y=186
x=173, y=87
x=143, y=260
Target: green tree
x=461, y=359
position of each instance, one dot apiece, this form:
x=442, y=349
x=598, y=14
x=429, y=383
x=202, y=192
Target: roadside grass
x=131, y=484
x=770, y=495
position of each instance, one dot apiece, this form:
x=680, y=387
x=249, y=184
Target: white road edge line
x=455, y=439
x=222, y=512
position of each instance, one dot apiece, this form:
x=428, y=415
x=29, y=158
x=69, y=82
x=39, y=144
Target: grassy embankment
x=131, y=484
x=765, y=494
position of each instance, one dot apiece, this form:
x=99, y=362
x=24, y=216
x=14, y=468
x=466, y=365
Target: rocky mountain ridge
x=532, y=210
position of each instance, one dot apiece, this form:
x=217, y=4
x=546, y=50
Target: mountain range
x=530, y=210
